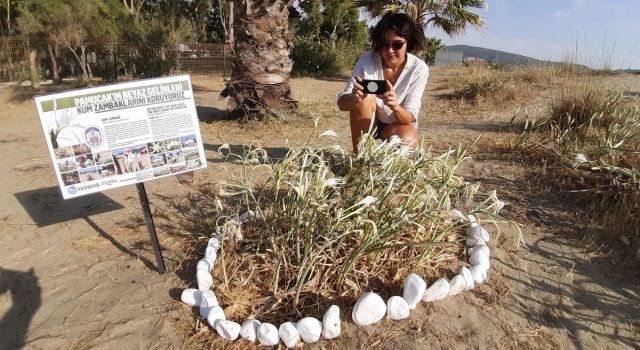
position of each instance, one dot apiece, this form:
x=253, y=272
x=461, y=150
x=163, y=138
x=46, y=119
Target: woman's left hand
x=389, y=98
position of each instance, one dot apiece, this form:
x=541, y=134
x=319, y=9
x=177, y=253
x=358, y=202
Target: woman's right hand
x=356, y=92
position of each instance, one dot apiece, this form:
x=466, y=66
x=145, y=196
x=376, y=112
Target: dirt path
x=80, y=274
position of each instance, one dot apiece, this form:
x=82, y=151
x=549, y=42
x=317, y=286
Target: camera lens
x=372, y=86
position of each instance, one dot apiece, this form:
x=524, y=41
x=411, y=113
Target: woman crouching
x=395, y=40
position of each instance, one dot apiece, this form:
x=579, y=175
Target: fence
x=108, y=61
x=448, y=58
x=14, y=59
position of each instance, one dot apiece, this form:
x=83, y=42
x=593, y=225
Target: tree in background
x=329, y=36
x=154, y=37
x=452, y=16
x=259, y=85
x=198, y=13
x=433, y=45
x=134, y=6
x=8, y=16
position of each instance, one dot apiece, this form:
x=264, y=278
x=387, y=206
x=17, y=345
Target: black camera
x=376, y=87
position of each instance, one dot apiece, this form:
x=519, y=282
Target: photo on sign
x=85, y=160
x=88, y=174
x=103, y=158
x=174, y=157
x=67, y=164
x=106, y=170
x=70, y=178
x=158, y=160
x=195, y=163
x=156, y=147
x=63, y=152
x=191, y=154
x=176, y=168
x=172, y=144
x=131, y=159
x=188, y=141
x=79, y=149
x=161, y=171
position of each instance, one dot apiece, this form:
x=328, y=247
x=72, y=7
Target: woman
x=396, y=38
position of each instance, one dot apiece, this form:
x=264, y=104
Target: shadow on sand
x=26, y=298
x=46, y=207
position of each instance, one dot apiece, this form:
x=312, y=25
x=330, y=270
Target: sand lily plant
x=325, y=222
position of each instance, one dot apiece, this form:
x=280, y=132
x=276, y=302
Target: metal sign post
x=142, y=193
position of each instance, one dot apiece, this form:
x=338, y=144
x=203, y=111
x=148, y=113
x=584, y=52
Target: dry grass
x=591, y=135
x=484, y=85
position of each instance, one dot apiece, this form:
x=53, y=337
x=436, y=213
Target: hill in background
x=495, y=55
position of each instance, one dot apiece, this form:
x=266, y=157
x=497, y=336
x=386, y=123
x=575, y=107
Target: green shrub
x=152, y=50
x=319, y=57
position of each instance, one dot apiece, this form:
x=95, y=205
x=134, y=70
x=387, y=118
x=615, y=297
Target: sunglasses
x=396, y=45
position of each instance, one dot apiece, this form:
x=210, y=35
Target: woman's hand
x=390, y=98
x=356, y=92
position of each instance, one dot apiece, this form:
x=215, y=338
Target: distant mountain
x=494, y=55
x=512, y=58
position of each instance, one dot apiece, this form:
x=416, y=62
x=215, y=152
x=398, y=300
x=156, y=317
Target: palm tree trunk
x=259, y=85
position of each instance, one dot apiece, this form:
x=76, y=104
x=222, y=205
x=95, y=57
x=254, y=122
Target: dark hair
x=401, y=24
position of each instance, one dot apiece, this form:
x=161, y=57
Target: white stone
x=191, y=296
x=289, y=334
x=468, y=278
x=369, y=309
x=215, y=314
x=204, y=264
x=477, y=232
x=310, y=329
x=438, y=290
x=471, y=218
x=205, y=281
x=479, y=273
x=397, y=308
x=482, y=248
x=249, y=330
x=211, y=254
x=268, y=334
x=208, y=301
x=457, y=284
x=456, y=216
x=472, y=242
x=414, y=287
x=214, y=242
x=228, y=329
x=331, y=324
x=479, y=257
x=246, y=216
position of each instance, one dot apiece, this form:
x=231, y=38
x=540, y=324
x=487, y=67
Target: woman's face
x=394, y=50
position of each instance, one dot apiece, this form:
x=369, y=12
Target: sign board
x=122, y=134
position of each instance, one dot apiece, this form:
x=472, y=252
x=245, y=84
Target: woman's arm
x=391, y=99
x=349, y=101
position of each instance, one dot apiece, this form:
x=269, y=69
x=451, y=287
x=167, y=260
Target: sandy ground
x=80, y=274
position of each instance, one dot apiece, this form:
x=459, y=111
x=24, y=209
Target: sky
x=598, y=33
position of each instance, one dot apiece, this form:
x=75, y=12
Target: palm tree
x=259, y=84
x=433, y=45
x=452, y=16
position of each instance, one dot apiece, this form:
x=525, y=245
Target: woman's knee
x=364, y=109
x=406, y=132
